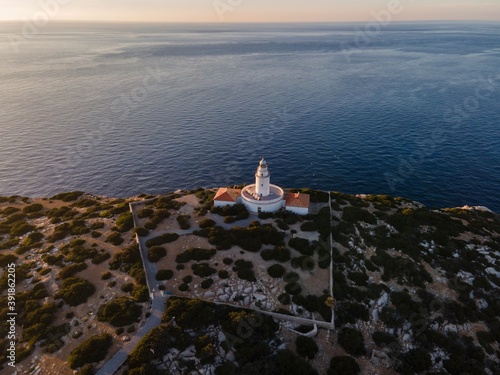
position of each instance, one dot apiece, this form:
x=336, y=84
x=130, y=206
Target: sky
x=249, y=10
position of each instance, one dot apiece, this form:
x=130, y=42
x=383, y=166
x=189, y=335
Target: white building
x=263, y=196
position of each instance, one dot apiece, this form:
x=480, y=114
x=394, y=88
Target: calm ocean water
x=123, y=109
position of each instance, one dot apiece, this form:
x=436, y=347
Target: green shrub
x=106, y=275
x=229, y=219
x=97, y=225
x=343, y=365
x=68, y=197
x=140, y=293
x=302, y=245
x=71, y=269
x=91, y=350
x=164, y=275
x=309, y=226
x=20, y=228
x=6, y=259
x=127, y=287
x=145, y=213
x=163, y=239
x=36, y=207
x=223, y=274
x=141, y=232
x=155, y=253
x=293, y=288
x=306, y=347
x=187, y=279
x=206, y=223
x=355, y=214
x=100, y=257
x=290, y=364
x=360, y=278
x=352, y=341
x=285, y=298
x=125, y=222
x=119, y=312
x=183, y=221
x=203, y=269
x=75, y=291
x=115, y=239
x=88, y=369
x=183, y=287
x=279, y=253
x=95, y=234
x=305, y=263
x=207, y=283
x=246, y=274
x=276, y=270
x=417, y=360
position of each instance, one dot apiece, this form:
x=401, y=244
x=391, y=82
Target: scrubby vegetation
x=91, y=350
x=75, y=291
x=119, y=312
x=256, y=350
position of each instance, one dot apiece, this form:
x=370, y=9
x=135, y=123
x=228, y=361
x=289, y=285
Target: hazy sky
x=250, y=10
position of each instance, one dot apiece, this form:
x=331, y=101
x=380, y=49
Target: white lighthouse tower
x=263, y=196
x=262, y=180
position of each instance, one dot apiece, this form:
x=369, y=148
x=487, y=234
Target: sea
x=406, y=109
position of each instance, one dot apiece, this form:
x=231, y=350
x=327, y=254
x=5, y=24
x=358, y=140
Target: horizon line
x=250, y=22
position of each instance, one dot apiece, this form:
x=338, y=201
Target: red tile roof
x=297, y=200
x=227, y=195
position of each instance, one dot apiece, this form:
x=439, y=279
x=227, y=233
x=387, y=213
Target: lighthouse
x=262, y=179
x=263, y=196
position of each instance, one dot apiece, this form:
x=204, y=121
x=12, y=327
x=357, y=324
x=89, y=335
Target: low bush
x=276, y=270
x=306, y=347
x=163, y=239
x=141, y=231
x=206, y=223
x=91, y=350
x=203, y=269
x=246, y=274
x=115, y=239
x=75, y=291
x=354, y=214
x=119, y=312
x=343, y=365
x=183, y=221
x=36, y=207
x=125, y=222
x=223, y=274
x=293, y=288
x=164, y=275
x=155, y=253
x=70, y=270
x=207, y=283
x=352, y=341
